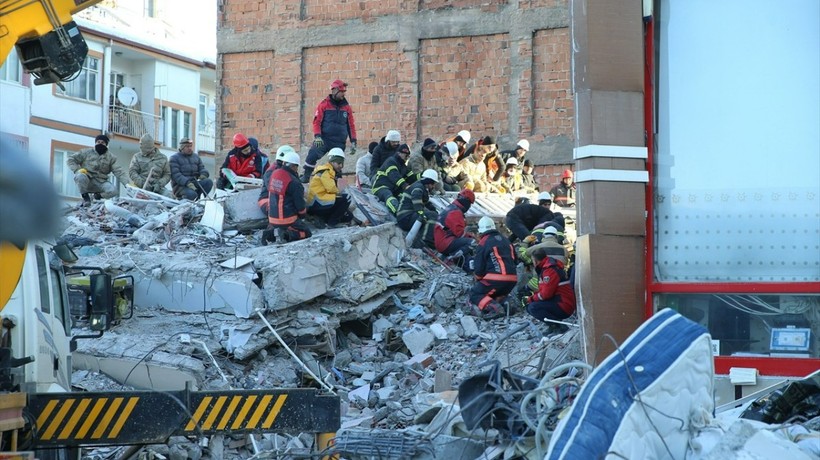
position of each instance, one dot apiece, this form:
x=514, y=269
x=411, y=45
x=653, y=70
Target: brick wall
x=428, y=68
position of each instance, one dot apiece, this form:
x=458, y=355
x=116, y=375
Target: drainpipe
x=106, y=85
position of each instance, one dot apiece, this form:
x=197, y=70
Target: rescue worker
x=333, y=123
x=511, y=180
x=546, y=237
x=363, y=168
x=564, y=192
x=451, y=172
x=461, y=139
x=387, y=148
x=415, y=206
x=523, y=218
x=555, y=297
x=527, y=179
x=242, y=160
x=189, y=178
x=324, y=198
x=450, y=233
x=425, y=159
x=493, y=161
x=474, y=165
x=264, y=195
x=393, y=178
x=149, y=168
x=286, y=208
x=518, y=152
x=91, y=168
x=494, y=270
x=256, y=150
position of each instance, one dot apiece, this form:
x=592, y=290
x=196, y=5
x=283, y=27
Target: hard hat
x=393, y=136
x=566, y=174
x=430, y=174
x=240, y=141
x=464, y=135
x=468, y=194
x=452, y=149
x=551, y=231
x=544, y=196
x=524, y=144
x=282, y=150
x=485, y=224
x=338, y=84
x=291, y=158
x=336, y=152
x=512, y=161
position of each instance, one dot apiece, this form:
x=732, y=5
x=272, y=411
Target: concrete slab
x=242, y=210
x=140, y=374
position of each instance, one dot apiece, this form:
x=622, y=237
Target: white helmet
x=485, y=224
x=551, y=231
x=393, y=136
x=464, y=134
x=524, y=144
x=512, y=161
x=291, y=158
x=544, y=196
x=336, y=152
x=452, y=149
x=430, y=174
x=280, y=152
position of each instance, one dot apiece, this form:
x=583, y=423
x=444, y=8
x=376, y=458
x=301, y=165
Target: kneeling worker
x=324, y=199
x=495, y=272
x=286, y=202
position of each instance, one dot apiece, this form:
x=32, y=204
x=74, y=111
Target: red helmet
x=467, y=193
x=566, y=174
x=240, y=141
x=338, y=84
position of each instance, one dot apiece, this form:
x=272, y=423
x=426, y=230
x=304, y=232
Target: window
x=42, y=272
x=174, y=127
x=179, y=125
x=117, y=82
x=186, y=125
x=85, y=85
x=11, y=70
x=201, y=111
x=62, y=176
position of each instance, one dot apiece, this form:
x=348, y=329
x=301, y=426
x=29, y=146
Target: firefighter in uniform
x=523, y=217
x=495, y=272
x=415, y=206
x=393, y=178
x=555, y=297
x=451, y=237
x=286, y=202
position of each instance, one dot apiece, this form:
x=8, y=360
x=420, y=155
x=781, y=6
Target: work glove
x=352, y=148
x=524, y=302
x=530, y=239
x=533, y=284
x=318, y=142
x=523, y=255
x=203, y=176
x=82, y=171
x=191, y=185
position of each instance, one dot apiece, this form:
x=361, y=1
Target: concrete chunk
x=418, y=339
x=243, y=211
x=469, y=325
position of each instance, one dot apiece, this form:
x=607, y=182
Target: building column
x=611, y=173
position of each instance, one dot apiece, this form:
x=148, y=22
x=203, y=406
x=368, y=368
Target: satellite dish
x=211, y=113
x=127, y=96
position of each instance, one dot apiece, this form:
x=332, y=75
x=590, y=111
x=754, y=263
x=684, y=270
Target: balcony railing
x=205, y=141
x=133, y=123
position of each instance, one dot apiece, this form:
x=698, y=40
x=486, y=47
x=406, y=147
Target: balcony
x=205, y=141
x=133, y=123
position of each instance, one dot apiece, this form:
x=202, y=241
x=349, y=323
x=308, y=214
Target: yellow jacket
x=322, y=187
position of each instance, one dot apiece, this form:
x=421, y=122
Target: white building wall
x=14, y=108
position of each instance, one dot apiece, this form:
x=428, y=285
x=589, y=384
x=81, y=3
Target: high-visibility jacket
x=495, y=258
x=554, y=281
x=322, y=187
x=287, y=197
x=394, y=175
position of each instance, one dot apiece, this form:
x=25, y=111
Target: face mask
x=101, y=148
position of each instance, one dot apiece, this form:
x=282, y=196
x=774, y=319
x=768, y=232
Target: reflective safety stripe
x=500, y=277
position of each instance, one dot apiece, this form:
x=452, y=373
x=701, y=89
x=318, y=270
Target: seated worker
x=256, y=150
x=387, y=148
x=451, y=173
x=527, y=179
x=393, y=178
x=324, y=198
x=415, y=206
x=363, y=168
x=264, y=195
x=564, y=192
x=494, y=269
x=242, y=160
x=189, y=178
x=425, y=159
x=518, y=152
x=494, y=164
x=286, y=203
x=149, y=169
x=461, y=140
x=450, y=233
x=474, y=165
x=511, y=179
x=554, y=299
x=523, y=218
x=91, y=168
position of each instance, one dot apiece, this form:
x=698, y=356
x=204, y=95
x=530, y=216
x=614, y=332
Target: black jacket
x=381, y=153
x=530, y=214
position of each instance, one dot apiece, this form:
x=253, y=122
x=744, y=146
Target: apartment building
x=143, y=74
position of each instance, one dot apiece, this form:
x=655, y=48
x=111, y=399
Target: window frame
x=99, y=72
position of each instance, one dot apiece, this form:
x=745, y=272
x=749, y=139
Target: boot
x=306, y=175
x=97, y=196
x=268, y=236
x=86, y=200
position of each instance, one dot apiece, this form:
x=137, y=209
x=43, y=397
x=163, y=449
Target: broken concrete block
x=443, y=381
x=418, y=339
x=438, y=331
x=381, y=325
x=385, y=393
x=424, y=360
x=360, y=394
x=242, y=209
x=469, y=325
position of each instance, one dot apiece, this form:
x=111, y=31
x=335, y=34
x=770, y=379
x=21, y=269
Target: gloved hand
x=82, y=171
x=203, y=176
x=191, y=185
x=352, y=148
x=523, y=255
x=530, y=239
x=533, y=284
x=318, y=142
x=524, y=302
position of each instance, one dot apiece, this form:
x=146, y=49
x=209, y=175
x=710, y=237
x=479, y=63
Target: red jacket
x=333, y=120
x=449, y=226
x=287, y=197
x=553, y=281
x=244, y=166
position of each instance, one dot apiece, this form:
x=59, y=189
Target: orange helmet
x=338, y=84
x=566, y=174
x=240, y=141
x=468, y=194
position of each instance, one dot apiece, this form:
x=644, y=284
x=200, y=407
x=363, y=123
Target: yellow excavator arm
x=48, y=42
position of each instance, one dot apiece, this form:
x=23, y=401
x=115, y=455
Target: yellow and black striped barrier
x=145, y=417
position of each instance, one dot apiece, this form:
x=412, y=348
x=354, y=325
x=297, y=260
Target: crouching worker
x=451, y=238
x=494, y=267
x=286, y=205
x=415, y=209
x=324, y=199
x=189, y=178
x=554, y=299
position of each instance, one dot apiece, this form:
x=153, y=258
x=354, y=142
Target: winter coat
x=414, y=200
x=450, y=224
x=185, y=168
x=381, y=153
x=322, y=187
x=287, y=197
x=530, y=214
x=476, y=172
x=419, y=164
x=333, y=120
x=562, y=195
x=553, y=281
x=98, y=166
x=528, y=182
x=363, y=170
x=151, y=161
x=243, y=166
x=495, y=258
x=394, y=175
